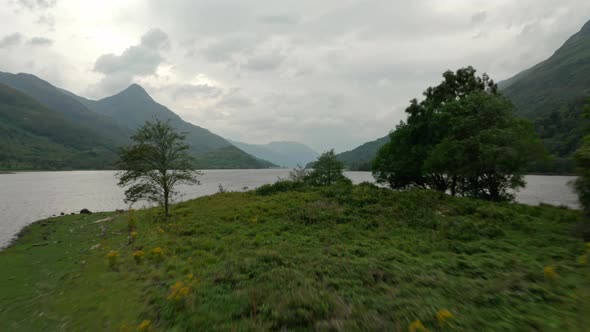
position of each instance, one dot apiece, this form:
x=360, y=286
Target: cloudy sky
x=331, y=74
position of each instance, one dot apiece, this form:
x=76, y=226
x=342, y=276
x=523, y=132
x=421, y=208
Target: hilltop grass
x=340, y=258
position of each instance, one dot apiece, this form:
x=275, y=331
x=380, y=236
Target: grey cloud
x=223, y=49
x=48, y=20
x=235, y=100
x=155, y=39
x=40, y=41
x=36, y=4
x=479, y=16
x=280, y=19
x=138, y=60
x=261, y=62
x=195, y=91
x=11, y=40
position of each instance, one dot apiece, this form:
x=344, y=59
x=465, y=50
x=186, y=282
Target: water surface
x=29, y=196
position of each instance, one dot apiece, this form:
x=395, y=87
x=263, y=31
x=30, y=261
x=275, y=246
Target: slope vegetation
x=35, y=137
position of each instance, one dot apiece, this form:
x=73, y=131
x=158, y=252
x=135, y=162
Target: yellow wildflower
x=133, y=234
x=138, y=256
x=417, y=326
x=583, y=260
x=442, y=316
x=144, y=325
x=549, y=272
x=112, y=256
x=189, y=276
x=160, y=230
x=158, y=253
x=178, y=291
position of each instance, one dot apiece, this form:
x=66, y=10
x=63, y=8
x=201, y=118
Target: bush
x=278, y=187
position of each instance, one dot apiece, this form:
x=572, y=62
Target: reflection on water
x=29, y=196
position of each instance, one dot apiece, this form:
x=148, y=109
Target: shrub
x=278, y=187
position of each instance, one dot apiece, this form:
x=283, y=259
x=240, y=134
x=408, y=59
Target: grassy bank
x=343, y=258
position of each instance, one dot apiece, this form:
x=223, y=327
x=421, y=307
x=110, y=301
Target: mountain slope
x=133, y=106
x=35, y=137
x=285, y=154
x=360, y=158
x=53, y=98
x=552, y=94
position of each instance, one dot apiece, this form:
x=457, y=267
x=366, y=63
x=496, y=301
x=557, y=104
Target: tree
x=327, y=170
x=400, y=162
x=462, y=139
x=157, y=162
x=485, y=150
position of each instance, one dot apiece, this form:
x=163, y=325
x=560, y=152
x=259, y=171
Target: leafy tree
x=461, y=139
x=400, y=162
x=327, y=170
x=485, y=151
x=155, y=164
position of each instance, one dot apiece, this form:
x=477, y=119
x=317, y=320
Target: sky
x=330, y=73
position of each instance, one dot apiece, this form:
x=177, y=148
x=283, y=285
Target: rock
x=119, y=211
x=85, y=211
x=62, y=214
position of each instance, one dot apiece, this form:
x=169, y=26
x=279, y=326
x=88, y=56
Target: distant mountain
x=552, y=94
x=285, y=154
x=35, y=137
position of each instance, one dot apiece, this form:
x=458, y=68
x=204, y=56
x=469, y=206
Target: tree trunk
x=166, y=194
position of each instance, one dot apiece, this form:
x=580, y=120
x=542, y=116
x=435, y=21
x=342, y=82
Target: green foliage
x=461, y=138
x=278, y=187
x=327, y=170
x=320, y=258
x=157, y=163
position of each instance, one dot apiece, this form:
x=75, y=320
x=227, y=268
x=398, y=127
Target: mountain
x=35, y=137
x=360, y=158
x=552, y=94
x=107, y=123
x=133, y=106
x=285, y=154
x=53, y=98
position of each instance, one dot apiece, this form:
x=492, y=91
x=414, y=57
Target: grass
x=340, y=258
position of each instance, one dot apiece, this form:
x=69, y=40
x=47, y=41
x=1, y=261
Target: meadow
x=340, y=258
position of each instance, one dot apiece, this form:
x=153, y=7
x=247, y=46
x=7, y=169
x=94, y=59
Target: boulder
x=85, y=211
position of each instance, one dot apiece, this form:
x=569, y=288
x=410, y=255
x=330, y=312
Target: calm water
x=30, y=196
